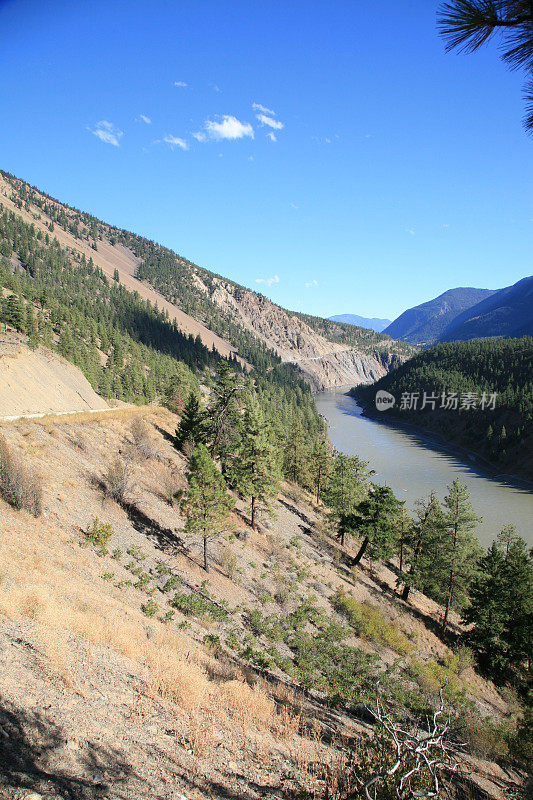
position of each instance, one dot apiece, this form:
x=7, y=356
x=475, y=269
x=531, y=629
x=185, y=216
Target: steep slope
x=127, y=672
x=226, y=316
x=41, y=382
x=109, y=257
x=374, y=323
x=425, y=323
x=508, y=312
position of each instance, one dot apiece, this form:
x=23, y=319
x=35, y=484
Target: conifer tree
x=191, y=429
x=255, y=472
x=375, y=519
x=207, y=505
x=320, y=463
x=223, y=413
x=14, y=314
x=501, y=609
x=346, y=486
x=296, y=455
x=460, y=548
x=422, y=557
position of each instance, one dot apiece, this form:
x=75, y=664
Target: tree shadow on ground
x=164, y=538
x=28, y=743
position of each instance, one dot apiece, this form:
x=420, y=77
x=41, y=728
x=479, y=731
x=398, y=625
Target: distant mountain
x=507, y=312
x=374, y=323
x=427, y=322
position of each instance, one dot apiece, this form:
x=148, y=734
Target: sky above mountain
x=330, y=155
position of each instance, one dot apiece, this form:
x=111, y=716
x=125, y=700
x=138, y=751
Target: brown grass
x=20, y=485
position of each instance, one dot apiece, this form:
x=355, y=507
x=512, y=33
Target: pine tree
x=320, y=463
x=501, y=609
x=460, y=548
x=207, y=505
x=223, y=413
x=14, y=313
x=346, y=487
x=254, y=472
x=375, y=519
x=422, y=567
x=296, y=455
x=191, y=429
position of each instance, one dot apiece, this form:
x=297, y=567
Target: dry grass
x=117, y=480
x=20, y=485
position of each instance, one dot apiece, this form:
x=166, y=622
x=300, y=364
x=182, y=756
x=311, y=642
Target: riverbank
x=414, y=464
x=432, y=438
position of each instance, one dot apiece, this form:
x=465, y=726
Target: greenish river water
x=412, y=465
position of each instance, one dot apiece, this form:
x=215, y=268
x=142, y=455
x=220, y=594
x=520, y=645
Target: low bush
x=116, y=481
x=19, y=484
x=370, y=623
x=99, y=534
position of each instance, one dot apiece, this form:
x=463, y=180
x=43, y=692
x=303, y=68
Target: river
x=412, y=465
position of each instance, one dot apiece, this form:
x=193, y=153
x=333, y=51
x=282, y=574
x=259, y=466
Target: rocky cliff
x=324, y=363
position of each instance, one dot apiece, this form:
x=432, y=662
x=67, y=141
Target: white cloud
x=410, y=231
x=263, y=109
x=272, y=123
x=107, y=132
x=272, y=137
x=229, y=128
x=175, y=141
x=311, y=284
x=181, y=84
x=144, y=118
x=268, y=281
x=199, y=136
x=293, y=205
x=215, y=87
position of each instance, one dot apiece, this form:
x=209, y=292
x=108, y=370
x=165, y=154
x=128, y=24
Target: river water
x=413, y=466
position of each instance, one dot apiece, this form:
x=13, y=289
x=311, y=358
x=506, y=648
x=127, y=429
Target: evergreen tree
x=460, y=548
x=501, y=609
x=346, y=486
x=375, y=519
x=207, y=505
x=224, y=412
x=296, y=455
x=191, y=429
x=254, y=472
x=320, y=463
x=14, y=313
x=422, y=562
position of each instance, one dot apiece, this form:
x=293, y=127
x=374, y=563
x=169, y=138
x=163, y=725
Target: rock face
x=325, y=364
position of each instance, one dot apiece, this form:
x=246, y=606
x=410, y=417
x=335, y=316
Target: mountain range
x=374, y=323
x=466, y=313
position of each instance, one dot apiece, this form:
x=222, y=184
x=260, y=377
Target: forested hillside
x=127, y=349
x=468, y=374
x=230, y=316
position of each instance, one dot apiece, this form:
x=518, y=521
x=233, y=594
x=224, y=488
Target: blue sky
x=397, y=171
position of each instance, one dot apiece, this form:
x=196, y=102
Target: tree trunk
x=361, y=552
x=253, y=513
x=400, y=570
x=318, y=487
x=206, y=562
x=406, y=590
x=448, y=605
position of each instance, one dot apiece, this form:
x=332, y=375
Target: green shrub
x=171, y=583
x=99, y=534
x=150, y=608
x=370, y=623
